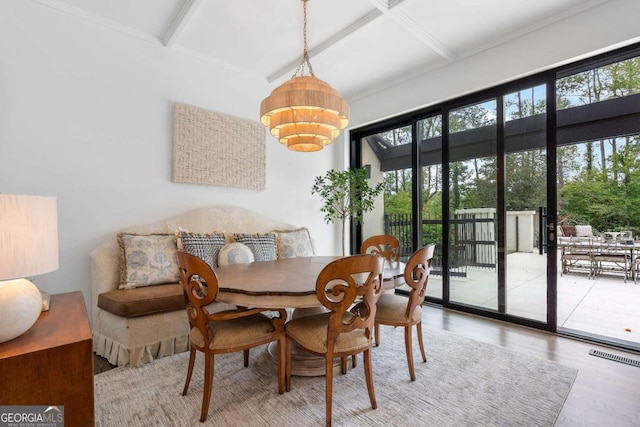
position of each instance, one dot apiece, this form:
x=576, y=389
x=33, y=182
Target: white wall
x=610, y=25
x=86, y=116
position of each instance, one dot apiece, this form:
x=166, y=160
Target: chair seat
x=393, y=309
x=235, y=333
x=311, y=332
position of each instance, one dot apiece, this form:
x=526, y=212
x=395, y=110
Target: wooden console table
x=52, y=363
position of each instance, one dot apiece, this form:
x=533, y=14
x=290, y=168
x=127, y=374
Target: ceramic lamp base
x=20, y=307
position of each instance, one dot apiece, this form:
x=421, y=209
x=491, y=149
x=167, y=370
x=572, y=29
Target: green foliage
x=399, y=203
x=346, y=194
x=607, y=199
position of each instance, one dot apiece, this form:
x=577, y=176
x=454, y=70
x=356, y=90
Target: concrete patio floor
x=605, y=306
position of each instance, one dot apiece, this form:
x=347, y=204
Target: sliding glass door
x=473, y=209
x=489, y=197
x=525, y=193
x=489, y=177
x=598, y=188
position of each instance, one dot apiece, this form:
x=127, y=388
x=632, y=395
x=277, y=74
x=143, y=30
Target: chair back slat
x=199, y=287
x=385, y=245
x=342, y=283
x=416, y=275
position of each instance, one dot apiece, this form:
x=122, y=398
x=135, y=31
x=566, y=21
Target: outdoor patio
x=604, y=306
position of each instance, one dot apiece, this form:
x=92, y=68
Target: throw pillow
x=235, y=253
x=204, y=246
x=147, y=260
x=584, y=231
x=263, y=246
x=568, y=230
x=293, y=243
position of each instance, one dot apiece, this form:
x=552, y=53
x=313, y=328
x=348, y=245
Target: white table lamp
x=28, y=247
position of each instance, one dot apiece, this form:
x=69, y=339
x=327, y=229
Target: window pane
x=430, y=131
x=385, y=154
x=599, y=84
x=525, y=199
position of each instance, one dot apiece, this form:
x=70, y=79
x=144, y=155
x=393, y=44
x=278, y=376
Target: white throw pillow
x=584, y=231
x=235, y=253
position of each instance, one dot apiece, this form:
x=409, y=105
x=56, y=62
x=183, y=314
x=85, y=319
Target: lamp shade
x=28, y=247
x=304, y=113
x=28, y=236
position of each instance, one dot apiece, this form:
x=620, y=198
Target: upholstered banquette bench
x=137, y=303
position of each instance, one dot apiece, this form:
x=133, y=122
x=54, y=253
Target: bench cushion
x=142, y=301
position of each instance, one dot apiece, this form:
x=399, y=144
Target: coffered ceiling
x=357, y=46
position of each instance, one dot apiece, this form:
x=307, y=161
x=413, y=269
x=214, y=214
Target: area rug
x=464, y=382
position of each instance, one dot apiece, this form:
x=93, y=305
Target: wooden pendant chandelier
x=304, y=113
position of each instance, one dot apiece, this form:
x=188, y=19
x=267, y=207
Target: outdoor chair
x=345, y=330
x=226, y=331
x=613, y=257
x=577, y=253
x=396, y=310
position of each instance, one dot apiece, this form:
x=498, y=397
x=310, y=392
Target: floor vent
x=615, y=357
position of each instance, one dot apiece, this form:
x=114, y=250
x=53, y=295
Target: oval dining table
x=288, y=283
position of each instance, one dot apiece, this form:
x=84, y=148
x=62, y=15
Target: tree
x=345, y=195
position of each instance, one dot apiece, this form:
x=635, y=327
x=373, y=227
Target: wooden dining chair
x=226, y=331
x=384, y=244
x=397, y=310
x=342, y=331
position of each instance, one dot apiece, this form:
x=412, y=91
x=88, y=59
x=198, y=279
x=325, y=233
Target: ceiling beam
x=180, y=22
x=351, y=28
x=382, y=7
x=406, y=22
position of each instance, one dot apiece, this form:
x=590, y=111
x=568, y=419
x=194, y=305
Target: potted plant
x=345, y=194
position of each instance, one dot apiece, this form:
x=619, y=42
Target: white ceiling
x=357, y=46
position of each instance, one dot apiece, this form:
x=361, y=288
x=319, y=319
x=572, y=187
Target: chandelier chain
x=305, y=52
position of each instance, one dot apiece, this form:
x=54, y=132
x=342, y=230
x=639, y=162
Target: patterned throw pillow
x=263, y=246
x=204, y=246
x=293, y=243
x=235, y=253
x=147, y=260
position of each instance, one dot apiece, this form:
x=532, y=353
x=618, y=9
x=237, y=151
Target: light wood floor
x=605, y=393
